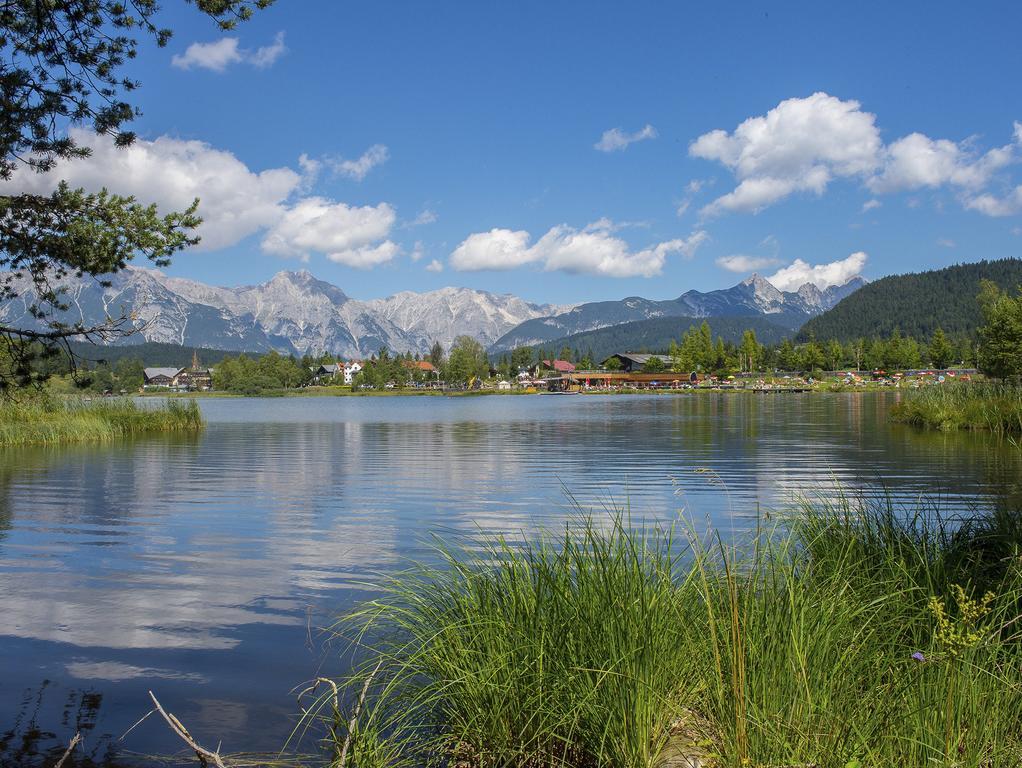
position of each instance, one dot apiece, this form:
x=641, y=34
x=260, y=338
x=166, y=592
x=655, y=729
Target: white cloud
x=799, y=145
x=803, y=144
x=741, y=263
x=991, y=205
x=434, y=266
x=358, y=169
x=267, y=56
x=350, y=235
x=917, y=161
x=309, y=165
x=425, y=216
x=870, y=205
x=234, y=201
x=798, y=273
x=418, y=251
x=691, y=190
x=496, y=249
x=220, y=54
x=591, y=250
x=216, y=56
x=945, y=242
x=617, y=139
x=1017, y=231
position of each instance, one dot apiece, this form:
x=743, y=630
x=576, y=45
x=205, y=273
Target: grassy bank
x=990, y=406
x=851, y=640
x=41, y=421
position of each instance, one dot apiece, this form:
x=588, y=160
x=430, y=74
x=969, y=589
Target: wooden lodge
x=611, y=379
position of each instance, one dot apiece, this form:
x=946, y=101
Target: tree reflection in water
x=27, y=743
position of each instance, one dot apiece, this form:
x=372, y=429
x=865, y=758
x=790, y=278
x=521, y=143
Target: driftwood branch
x=354, y=717
x=70, y=748
x=205, y=756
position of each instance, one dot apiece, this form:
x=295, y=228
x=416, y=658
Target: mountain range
x=755, y=296
x=294, y=312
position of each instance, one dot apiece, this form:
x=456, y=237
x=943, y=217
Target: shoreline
x=346, y=392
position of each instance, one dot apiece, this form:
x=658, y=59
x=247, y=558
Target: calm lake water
x=203, y=568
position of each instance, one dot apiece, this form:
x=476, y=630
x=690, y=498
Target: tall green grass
x=996, y=407
x=855, y=637
x=50, y=420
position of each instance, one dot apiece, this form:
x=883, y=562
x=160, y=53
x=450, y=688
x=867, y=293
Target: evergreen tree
x=436, y=355
x=939, y=351
x=521, y=358
x=787, y=360
x=751, y=351
x=1000, y=338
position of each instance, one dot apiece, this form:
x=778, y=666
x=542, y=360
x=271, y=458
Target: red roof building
x=561, y=366
x=420, y=365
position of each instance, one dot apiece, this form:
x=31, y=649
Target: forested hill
x=915, y=304
x=656, y=335
x=151, y=353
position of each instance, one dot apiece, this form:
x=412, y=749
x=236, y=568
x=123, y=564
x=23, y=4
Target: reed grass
x=948, y=407
x=50, y=420
x=855, y=636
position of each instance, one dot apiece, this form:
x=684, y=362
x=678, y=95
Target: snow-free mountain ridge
x=294, y=312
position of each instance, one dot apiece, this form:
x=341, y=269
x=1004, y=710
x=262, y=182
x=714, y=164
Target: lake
x=205, y=568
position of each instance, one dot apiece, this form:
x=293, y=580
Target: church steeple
x=195, y=360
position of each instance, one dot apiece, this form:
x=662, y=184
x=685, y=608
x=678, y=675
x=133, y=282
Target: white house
x=350, y=369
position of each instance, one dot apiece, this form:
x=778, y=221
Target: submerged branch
x=205, y=756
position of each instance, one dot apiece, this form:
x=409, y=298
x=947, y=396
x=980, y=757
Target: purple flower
x=918, y=656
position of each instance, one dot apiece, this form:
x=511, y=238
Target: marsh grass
x=606, y=645
x=42, y=421
x=990, y=406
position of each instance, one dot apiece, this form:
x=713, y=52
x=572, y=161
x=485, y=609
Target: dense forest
x=915, y=304
x=700, y=349
x=657, y=334
x=155, y=354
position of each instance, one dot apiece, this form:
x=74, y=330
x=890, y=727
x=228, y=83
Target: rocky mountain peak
x=762, y=288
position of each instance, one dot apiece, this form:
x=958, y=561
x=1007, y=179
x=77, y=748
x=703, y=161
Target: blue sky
x=886, y=141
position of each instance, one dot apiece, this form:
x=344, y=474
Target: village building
x=350, y=369
x=326, y=372
x=633, y=362
x=194, y=379
x=561, y=366
x=421, y=370
x=160, y=377
x=420, y=365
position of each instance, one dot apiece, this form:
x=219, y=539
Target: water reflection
x=27, y=742
x=203, y=566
